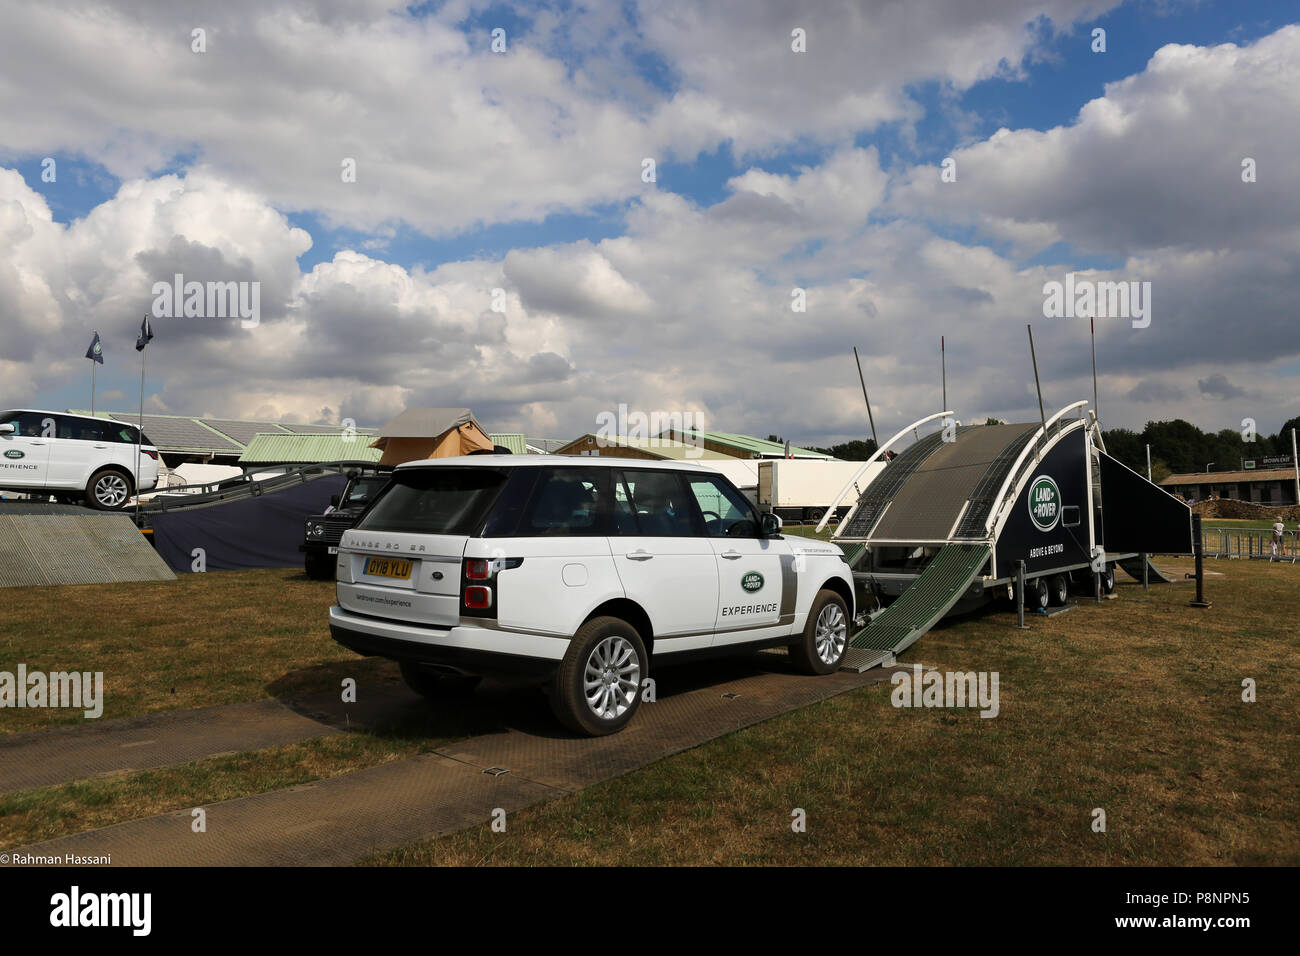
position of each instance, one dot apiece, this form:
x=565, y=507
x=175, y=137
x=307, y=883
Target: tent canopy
x=420, y=433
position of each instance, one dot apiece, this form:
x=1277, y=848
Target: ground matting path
x=346, y=818
x=43, y=758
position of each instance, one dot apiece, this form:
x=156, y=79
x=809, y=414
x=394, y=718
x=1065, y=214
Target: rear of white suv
x=98, y=461
x=579, y=574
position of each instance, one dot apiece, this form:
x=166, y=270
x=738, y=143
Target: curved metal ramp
x=1133, y=568
x=947, y=577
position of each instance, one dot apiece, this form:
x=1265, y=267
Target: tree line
x=1177, y=447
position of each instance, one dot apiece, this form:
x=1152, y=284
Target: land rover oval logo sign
x=13, y=453
x=751, y=582
x=1044, y=503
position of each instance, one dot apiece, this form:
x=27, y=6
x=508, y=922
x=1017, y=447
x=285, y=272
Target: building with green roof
x=741, y=446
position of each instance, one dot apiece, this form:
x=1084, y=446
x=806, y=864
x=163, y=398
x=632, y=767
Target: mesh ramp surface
x=926, y=507
x=945, y=579
x=877, y=496
x=974, y=521
x=87, y=548
x=346, y=818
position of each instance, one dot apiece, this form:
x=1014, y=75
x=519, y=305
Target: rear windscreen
x=435, y=501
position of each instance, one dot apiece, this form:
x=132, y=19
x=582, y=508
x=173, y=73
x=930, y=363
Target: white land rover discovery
x=74, y=457
x=581, y=573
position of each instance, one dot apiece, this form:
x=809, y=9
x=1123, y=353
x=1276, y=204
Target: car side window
x=658, y=503
x=81, y=429
x=33, y=425
x=726, y=512
x=120, y=434
x=568, y=501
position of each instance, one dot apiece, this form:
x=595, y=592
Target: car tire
x=432, y=685
x=320, y=565
x=1059, y=587
x=825, y=639
x=597, y=689
x=108, y=490
x=1039, y=593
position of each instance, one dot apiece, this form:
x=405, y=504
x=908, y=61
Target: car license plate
x=388, y=568
x=333, y=550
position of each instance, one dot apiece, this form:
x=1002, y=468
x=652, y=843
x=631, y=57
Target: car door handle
x=38, y=443
x=639, y=555
x=733, y=555
x=101, y=446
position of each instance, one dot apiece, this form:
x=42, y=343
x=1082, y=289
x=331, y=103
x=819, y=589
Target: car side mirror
x=770, y=524
x=7, y=428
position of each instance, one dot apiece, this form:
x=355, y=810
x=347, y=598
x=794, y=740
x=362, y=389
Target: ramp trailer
x=951, y=520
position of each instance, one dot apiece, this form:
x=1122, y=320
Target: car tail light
x=478, y=582
x=151, y=454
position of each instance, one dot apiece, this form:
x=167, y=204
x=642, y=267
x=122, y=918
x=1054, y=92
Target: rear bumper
x=471, y=650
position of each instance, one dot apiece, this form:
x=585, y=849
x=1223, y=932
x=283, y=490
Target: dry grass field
x=1133, y=706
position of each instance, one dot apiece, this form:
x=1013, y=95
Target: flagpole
x=93, y=363
x=139, y=437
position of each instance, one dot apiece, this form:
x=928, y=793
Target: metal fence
x=1250, y=544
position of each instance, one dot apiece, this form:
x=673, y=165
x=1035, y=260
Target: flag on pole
x=145, y=335
x=787, y=449
x=96, y=351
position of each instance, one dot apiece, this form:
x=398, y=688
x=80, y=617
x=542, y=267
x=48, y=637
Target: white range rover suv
x=74, y=457
x=582, y=573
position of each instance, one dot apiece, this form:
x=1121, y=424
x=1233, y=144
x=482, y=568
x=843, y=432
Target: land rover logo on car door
x=751, y=582
x=1044, y=503
x=14, y=453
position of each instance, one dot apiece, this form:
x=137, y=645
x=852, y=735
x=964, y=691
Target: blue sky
x=520, y=172
x=1064, y=75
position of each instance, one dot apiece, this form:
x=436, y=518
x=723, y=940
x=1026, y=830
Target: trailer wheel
x=1039, y=593
x=1108, y=580
x=1060, y=589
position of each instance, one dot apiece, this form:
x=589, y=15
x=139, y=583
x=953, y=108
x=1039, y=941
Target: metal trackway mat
x=346, y=818
x=45, y=758
x=43, y=549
